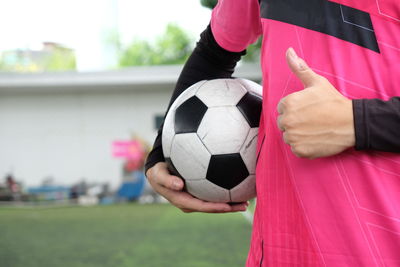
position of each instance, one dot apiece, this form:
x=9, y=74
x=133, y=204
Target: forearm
x=207, y=61
x=377, y=124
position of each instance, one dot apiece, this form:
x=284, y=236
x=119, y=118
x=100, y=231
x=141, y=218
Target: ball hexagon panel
x=223, y=130
x=189, y=115
x=227, y=171
x=168, y=133
x=250, y=105
x=189, y=156
x=249, y=150
x=185, y=95
x=208, y=191
x=245, y=190
x=221, y=92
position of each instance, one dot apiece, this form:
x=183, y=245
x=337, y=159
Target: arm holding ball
x=208, y=61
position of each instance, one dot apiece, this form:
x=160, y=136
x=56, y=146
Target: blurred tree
x=173, y=47
x=52, y=57
x=137, y=54
x=252, y=51
x=209, y=3
x=2, y=64
x=60, y=59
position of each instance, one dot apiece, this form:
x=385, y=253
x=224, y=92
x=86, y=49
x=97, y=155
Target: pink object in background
x=131, y=150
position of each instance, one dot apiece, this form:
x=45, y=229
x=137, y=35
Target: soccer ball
x=209, y=139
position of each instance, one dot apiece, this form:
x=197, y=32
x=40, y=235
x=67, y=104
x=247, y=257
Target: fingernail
x=302, y=64
x=176, y=185
x=292, y=54
x=299, y=61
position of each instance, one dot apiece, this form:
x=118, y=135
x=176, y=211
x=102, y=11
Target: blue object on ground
x=132, y=189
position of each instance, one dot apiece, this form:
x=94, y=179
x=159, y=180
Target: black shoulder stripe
x=343, y=22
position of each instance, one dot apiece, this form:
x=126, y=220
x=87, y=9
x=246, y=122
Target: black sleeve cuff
x=156, y=155
x=360, y=130
x=377, y=124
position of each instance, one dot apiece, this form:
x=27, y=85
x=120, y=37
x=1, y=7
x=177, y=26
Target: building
x=63, y=124
x=51, y=57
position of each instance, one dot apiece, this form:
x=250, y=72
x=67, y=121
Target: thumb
x=300, y=68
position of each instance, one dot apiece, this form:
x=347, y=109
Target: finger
x=165, y=179
x=300, y=68
x=281, y=106
x=198, y=205
x=285, y=138
x=280, y=123
x=239, y=207
x=188, y=203
x=187, y=210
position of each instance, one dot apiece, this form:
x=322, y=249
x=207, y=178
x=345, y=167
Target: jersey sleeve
x=236, y=23
x=376, y=124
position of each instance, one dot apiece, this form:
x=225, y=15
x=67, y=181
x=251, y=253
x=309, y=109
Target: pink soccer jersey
x=337, y=211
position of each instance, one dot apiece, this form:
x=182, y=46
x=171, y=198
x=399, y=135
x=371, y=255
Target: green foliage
x=209, y=3
x=60, y=60
x=137, y=54
x=253, y=52
x=2, y=64
x=173, y=47
x=121, y=235
x=53, y=58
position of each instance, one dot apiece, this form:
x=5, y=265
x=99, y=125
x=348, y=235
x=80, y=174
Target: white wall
x=69, y=135
x=63, y=124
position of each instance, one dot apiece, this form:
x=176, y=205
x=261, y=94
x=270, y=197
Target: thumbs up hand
x=316, y=121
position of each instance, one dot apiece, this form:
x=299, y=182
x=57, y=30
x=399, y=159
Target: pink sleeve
x=236, y=23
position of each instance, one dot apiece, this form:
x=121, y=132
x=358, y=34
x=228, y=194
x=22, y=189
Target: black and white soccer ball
x=210, y=136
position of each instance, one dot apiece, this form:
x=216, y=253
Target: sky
x=84, y=24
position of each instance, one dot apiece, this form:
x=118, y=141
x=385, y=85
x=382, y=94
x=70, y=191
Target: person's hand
x=171, y=187
x=317, y=121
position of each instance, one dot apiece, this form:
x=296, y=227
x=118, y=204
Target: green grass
x=121, y=235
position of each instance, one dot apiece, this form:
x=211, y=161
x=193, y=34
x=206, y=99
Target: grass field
x=121, y=235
